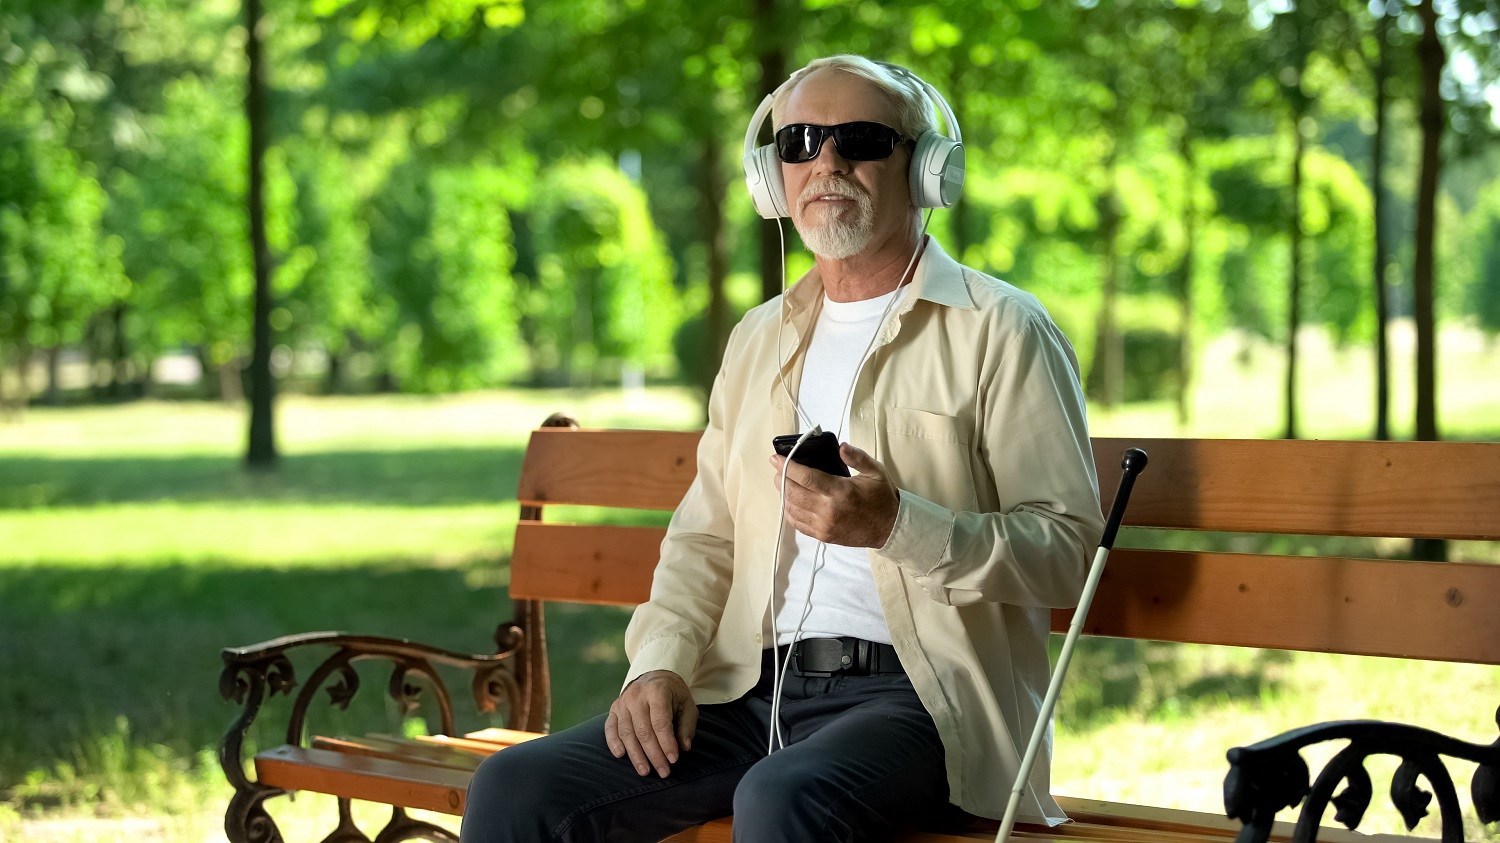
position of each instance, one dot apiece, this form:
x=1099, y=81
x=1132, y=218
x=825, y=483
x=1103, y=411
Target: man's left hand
x=854, y=511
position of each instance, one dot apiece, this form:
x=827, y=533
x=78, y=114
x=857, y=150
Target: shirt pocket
x=929, y=455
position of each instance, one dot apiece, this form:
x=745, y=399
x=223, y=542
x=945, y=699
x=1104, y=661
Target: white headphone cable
x=778, y=667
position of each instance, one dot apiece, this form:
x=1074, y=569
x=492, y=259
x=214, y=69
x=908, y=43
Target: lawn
x=133, y=546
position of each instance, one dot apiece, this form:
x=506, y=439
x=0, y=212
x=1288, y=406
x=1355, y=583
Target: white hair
x=913, y=108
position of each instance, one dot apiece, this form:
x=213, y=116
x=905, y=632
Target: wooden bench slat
x=406, y=784
x=1319, y=604
x=470, y=745
x=379, y=746
x=1421, y=610
x=445, y=790
x=1152, y=818
x=1405, y=489
x=635, y=469
x=502, y=737
x=568, y=562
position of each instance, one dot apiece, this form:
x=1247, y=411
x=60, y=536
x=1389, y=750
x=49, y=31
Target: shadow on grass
x=103, y=667
x=431, y=476
x=1111, y=676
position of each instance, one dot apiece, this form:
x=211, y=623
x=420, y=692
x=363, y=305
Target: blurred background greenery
x=460, y=216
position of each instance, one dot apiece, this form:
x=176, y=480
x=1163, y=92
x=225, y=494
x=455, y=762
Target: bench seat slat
x=345, y=771
x=379, y=746
x=408, y=784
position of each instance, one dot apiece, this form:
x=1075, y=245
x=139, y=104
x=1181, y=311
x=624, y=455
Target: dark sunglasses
x=797, y=143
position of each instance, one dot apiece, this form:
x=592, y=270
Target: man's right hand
x=652, y=717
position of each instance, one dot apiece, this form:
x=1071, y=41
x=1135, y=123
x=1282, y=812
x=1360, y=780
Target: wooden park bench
x=1448, y=611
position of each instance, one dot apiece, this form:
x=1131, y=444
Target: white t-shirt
x=844, y=601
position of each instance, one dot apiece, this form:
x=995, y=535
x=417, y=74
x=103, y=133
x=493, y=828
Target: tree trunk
x=333, y=383
x=772, y=59
x=1382, y=234
x=1424, y=277
x=22, y=398
x=711, y=206
x=119, y=352
x=1108, y=369
x=53, y=395
x=1294, y=305
x=93, y=354
x=208, y=375
x=261, y=453
x=1185, y=284
x=1424, y=281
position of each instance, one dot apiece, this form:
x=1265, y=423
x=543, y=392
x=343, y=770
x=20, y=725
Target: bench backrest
x=1425, y=490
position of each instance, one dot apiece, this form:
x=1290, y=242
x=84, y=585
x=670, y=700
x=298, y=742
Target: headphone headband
x=937, y=162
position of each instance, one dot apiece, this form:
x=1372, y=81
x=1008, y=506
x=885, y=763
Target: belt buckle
x=846, y=660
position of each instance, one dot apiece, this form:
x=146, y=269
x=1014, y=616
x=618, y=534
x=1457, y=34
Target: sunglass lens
x=799, y=142
x=865, y=141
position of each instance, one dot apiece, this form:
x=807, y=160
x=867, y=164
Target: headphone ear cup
x=763, y=179
x=937, y=171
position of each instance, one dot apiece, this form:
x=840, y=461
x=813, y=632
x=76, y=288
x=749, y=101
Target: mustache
x=834, y=187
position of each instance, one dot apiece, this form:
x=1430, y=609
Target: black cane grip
x=1133, y=463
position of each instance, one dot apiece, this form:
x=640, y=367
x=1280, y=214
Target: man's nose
x=829, y=160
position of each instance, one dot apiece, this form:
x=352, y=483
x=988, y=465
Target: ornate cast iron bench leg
x=1271, y=775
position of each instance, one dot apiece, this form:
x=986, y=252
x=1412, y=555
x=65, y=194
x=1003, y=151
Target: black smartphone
x=820, y=452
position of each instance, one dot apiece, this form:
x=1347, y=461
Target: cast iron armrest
x=251, y=673
x=1271, y=775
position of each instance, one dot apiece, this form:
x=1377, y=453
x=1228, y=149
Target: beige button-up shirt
x=971, y=400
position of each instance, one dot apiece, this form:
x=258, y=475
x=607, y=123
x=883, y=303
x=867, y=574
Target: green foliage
x=444, y=309
x=1484, y=242
x=323, y=281
x=1336, y=209
x=180, y=210
x=603, y=291
x=55, y=267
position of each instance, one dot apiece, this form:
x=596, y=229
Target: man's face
x=841, y=207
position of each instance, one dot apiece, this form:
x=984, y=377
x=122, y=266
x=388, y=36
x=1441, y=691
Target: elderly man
x=885, y=658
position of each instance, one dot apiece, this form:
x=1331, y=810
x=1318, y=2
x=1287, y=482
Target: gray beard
x=838, y=239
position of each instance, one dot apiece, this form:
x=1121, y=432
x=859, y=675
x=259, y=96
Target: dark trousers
x=862, y=761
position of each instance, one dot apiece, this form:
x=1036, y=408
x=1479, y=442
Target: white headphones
x=937, y=163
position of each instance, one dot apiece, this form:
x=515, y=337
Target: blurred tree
x=323, y=282
x=1377, y=55
x=1431, y=57
x=446, y=309
x=603, y=291
x=260, y=452
x=179, y=209
x=1484, y=288
x=53, y=269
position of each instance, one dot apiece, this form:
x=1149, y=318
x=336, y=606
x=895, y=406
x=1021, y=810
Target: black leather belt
x=845, y=656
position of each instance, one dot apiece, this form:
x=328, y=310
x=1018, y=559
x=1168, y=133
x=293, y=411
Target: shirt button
x=757, y=637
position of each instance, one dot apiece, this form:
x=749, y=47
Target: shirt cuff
x=919, y=538
x=665, y=653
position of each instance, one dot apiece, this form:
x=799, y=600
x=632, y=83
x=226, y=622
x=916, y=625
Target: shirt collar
x=938, y=279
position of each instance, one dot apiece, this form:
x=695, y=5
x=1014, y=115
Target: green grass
x=133, y=546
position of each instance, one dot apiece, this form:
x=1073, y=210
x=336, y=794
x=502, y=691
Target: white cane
x=1133, y=464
